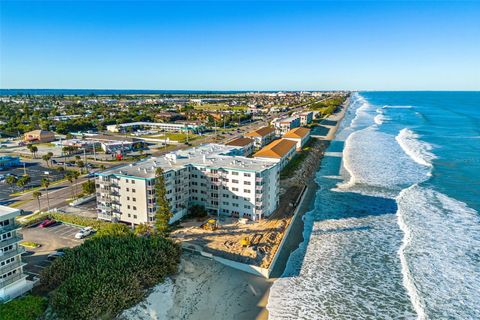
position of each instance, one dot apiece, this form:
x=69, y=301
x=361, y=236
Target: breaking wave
x=418, y=150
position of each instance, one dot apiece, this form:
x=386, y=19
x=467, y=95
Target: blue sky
x=315, y=45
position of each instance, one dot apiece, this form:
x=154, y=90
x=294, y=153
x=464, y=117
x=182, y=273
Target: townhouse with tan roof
x=299, y=135
x=280, y=151
x=246, y=144
x=262, y=136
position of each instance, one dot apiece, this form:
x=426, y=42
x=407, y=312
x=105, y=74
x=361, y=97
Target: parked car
x=84, y=232
x=47, y=223
x=54, y=255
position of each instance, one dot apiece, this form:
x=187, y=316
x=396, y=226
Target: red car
x=47, y=223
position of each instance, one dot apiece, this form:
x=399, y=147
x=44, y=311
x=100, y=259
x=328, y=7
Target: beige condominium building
x=280, y=151
x=262, y=136
x=246, y=144
x=214, y=176
x=299, y=135
x=13, y=282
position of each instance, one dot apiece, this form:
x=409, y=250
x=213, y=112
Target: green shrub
x=25, y=308
x=107, y=274
x=69, y=218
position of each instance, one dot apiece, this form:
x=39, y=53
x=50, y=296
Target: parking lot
x=50, y=238
x=35, y=170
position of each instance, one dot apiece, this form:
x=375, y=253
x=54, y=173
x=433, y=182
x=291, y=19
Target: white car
x=84, y=232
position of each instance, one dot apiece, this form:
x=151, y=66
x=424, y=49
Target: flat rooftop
x=208, y=155
x=4, y=210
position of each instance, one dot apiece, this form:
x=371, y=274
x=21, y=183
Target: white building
x=214, y=176
x=13, y=282
x=262, y=136
x=246, y=144
x=282, y=125
x=280, y=151
x=299, y=135
x=306, y=117
x=168, y=127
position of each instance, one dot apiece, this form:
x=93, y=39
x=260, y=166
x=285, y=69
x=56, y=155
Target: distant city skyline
x=229, y=45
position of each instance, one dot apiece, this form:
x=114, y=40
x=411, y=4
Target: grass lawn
x=219, y=106
x=180, y=137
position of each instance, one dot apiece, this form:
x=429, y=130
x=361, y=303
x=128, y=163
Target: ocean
x=395, y=229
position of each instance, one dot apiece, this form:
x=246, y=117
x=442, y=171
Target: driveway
x=50, y=239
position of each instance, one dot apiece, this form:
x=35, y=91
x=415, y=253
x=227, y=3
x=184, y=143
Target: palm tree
x=69, y=176
x=36, y=195
x=23, y=181
x=46, y=158
x=34, y=150
x=45, y=184
x=11, y=180
x=76, y=175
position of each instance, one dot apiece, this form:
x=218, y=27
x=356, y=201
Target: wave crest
x=418, y=150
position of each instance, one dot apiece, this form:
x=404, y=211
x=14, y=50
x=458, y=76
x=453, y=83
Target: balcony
x=8, y=281
x=104, y=207
x=257, y=179
x=12, y=253
x=12, y=266
x=10, y=227
x=259, y=188
x=10, y=241
x=104, y=216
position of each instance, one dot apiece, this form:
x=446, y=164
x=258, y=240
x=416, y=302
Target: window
x=133, y=181
x=128, y=198
x=235, y=197
x=129, y=215
x=128, y=189
x=134, y=216
x=133, y=190
x=134, y=208
x=246, y=206
x=246, y=174
x=225, y=203
x=246, y=190
x=126, y=180
x=247, y=183
x=234, y=181
x=225, y=195
x=134, y=199
x=234, y=173
x=235, y=189
x=128, y=206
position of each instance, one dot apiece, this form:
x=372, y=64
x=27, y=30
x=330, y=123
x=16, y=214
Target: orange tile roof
x=297, y=133
x=239, y=142
x=262, y=132
x=277, y=149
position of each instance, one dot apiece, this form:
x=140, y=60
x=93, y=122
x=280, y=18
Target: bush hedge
x=107, y=274
x=68, y=218
x=29, y=307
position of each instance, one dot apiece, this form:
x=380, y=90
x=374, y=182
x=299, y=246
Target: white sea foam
x=349, y=271
x=440, y=254
x=397, y=107
x=377, y=166
x=418, y=150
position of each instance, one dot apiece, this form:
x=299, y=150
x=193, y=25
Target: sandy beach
x=205, y=289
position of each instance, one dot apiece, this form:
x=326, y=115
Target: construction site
x=244, y=241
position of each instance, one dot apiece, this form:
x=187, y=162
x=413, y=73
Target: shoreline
x=206, y=289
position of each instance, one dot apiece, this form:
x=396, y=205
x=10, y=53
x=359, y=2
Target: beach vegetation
x=29, y=307
x=107, y=274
